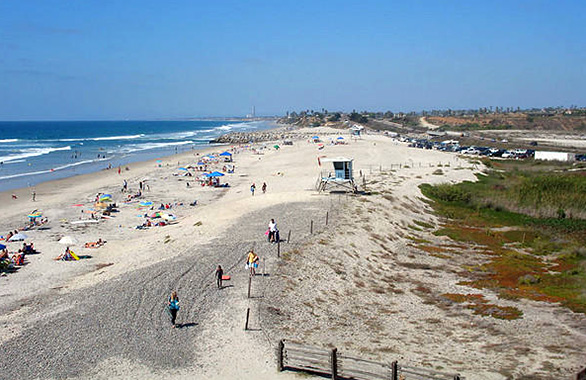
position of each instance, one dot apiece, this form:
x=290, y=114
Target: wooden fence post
x=394, y=370
x=247, y=315
x=311, y=227
x=334, y=362
x=280, y=351
x=327, y=217
x=288, y=236
x=249, y=283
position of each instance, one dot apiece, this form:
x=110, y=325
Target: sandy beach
x=359, y=283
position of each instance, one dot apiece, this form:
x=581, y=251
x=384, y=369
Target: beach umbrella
x=155, y=215
x=201, y=163
x=216, y=174
x=145, y=204
x=105, y=198
x=159, y=161
x=2, y=246
x=18, y=237
x=276, y=146
x=168, y=217
x=340, y=138
x=68, y=240
x=315, y=137
x=225, y=154
x=184, y=169
x=35, y=214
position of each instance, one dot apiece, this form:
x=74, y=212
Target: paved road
x=125, y=317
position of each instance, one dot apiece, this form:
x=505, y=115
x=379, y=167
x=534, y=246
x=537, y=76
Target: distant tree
x=354, y=116
x=335, y=117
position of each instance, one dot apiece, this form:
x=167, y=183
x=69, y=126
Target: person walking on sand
x=34, y=196
x=272, y=230
x=173, y=305
x=252, y=262
x=264, y=187
x=252, y=188
x=219, y=274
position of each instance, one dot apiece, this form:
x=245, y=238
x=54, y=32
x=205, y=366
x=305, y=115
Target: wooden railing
x=329, y=362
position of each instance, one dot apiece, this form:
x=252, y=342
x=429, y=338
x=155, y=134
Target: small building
x=554, y=156
x=356, y=130
x=341, y=177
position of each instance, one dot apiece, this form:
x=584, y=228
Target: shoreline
x=66, y=169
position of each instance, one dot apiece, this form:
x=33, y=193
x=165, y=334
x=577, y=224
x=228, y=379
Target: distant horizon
x=185, y=118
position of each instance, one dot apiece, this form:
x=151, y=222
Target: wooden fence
x=331, y=363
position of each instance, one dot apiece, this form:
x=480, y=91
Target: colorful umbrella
x=105, y=198
x=184, y=169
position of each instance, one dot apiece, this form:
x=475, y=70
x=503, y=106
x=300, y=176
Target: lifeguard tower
x=342, y=176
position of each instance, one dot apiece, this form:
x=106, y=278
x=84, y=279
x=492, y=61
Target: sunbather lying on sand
x=95, y=244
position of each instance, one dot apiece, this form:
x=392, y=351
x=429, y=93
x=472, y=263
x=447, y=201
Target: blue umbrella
x=225, y=154
x=315, y=137
x=184, y=169
x=2, y=246
x=340, y=138
x=215, y=174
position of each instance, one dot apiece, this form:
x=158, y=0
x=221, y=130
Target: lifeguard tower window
x=342, y=170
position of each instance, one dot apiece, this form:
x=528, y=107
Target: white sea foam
x=32, y=152
x=53, y=169
x=104, y=138
x=8, y=140
x=149, y=146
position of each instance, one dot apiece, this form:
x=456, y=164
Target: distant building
x=554, y=156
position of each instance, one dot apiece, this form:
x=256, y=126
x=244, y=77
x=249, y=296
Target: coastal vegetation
x=530, y=222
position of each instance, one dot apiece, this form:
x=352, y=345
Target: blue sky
x=145, y=59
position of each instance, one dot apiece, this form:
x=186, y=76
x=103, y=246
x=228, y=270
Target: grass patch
x=480, y=306
x=423, y=224
x=544, y=214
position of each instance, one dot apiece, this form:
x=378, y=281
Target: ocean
x=39, y=151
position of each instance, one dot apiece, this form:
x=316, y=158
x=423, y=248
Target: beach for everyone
x=357, y=283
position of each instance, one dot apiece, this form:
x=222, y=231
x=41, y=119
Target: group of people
x=18, y=257
x=253, y=188
x=252, y=264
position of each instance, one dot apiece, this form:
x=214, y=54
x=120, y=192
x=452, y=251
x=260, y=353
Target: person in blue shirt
x=173, y=307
